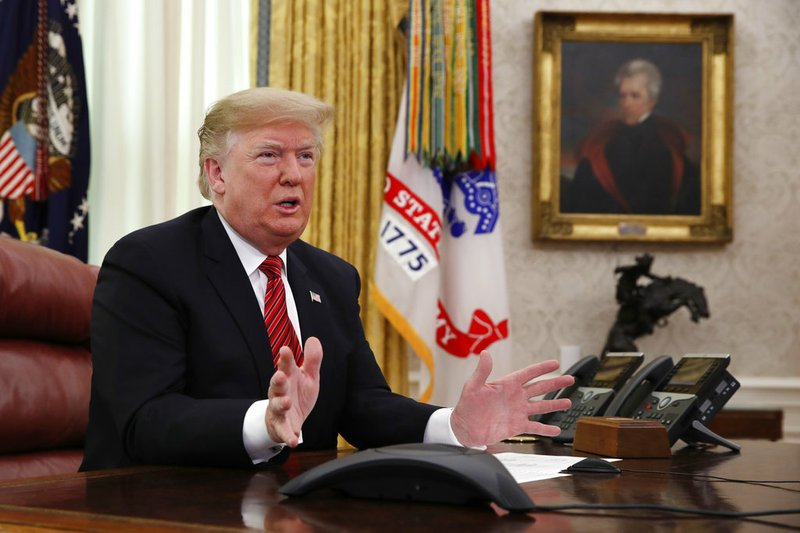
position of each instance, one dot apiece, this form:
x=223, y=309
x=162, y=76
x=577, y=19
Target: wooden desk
x=165, y=499
x=748, y=424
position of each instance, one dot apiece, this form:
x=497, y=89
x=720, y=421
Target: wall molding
x=772, y=393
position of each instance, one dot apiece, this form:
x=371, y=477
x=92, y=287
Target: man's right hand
x=293, y=392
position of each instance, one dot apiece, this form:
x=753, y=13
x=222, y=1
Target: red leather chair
x=45, y=363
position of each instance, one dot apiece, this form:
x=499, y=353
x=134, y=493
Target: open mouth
x=288, y=203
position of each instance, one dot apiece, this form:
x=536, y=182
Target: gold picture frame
x=600, y=173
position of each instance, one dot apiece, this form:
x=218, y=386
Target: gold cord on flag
x=40, y=189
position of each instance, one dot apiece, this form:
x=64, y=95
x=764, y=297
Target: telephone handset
x=596, y=382
x=583, y=371
x=640, y=386
x=684, y=399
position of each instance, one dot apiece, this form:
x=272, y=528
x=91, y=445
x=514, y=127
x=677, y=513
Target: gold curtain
x=351, y=54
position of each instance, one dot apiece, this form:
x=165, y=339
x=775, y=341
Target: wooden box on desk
x=621, y=437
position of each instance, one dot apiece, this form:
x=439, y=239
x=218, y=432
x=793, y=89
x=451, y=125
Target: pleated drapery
x=349, y=53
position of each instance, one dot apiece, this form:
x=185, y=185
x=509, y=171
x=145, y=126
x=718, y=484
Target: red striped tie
x=279, y=327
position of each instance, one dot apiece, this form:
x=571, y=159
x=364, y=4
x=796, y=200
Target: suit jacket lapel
x=308, y=295
x=231, y=283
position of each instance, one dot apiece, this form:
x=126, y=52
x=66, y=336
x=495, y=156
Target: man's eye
x=307, y=157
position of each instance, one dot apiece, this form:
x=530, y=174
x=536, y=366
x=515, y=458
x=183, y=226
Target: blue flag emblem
x=480, y=205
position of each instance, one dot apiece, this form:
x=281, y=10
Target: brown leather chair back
x=45, y=363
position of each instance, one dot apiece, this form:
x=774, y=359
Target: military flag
x=439, y=273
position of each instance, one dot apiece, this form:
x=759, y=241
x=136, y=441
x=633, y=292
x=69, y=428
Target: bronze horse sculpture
x=643, y=307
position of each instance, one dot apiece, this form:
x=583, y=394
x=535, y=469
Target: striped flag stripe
x=16, y=178
x=14, y=167
x=23, y=187
x=16, y=181
x=7, y=148
x=7, y=158
x=5, y=142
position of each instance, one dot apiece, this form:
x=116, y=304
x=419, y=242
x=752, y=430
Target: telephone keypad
x=586, y=402
x=667, y=408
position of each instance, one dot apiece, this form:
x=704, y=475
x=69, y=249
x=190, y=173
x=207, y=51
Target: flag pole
x=40, y=187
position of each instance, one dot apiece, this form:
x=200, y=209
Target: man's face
x=264, y=186
x=634, y=99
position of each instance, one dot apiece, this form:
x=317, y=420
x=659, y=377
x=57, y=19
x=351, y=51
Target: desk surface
x=198, y=499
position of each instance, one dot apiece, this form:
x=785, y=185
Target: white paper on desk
x=525, y=467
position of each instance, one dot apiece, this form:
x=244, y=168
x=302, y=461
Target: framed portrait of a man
x=632, y=136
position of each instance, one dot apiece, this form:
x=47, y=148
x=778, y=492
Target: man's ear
x=214, y=175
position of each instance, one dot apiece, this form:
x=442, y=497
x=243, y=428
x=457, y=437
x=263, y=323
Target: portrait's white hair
x=636, y=67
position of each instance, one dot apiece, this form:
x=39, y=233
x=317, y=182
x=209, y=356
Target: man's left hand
x=488, y=412
x=292, y=393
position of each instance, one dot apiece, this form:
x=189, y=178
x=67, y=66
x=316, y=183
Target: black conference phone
x=437, y=473
x=685, y=399
x=596, y=383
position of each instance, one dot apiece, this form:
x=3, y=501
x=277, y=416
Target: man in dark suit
x=183, y=368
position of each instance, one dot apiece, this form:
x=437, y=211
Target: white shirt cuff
x=439, y=431
x=256, y=439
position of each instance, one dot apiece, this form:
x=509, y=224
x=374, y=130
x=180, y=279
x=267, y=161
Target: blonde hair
x=252, y=108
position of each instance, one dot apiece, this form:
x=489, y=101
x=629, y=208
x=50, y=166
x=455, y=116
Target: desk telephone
x=684, y=397
x=596, y=382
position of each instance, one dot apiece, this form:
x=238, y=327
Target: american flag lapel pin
x=315, y=297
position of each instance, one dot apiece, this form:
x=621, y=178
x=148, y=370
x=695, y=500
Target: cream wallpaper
x=563, y=294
